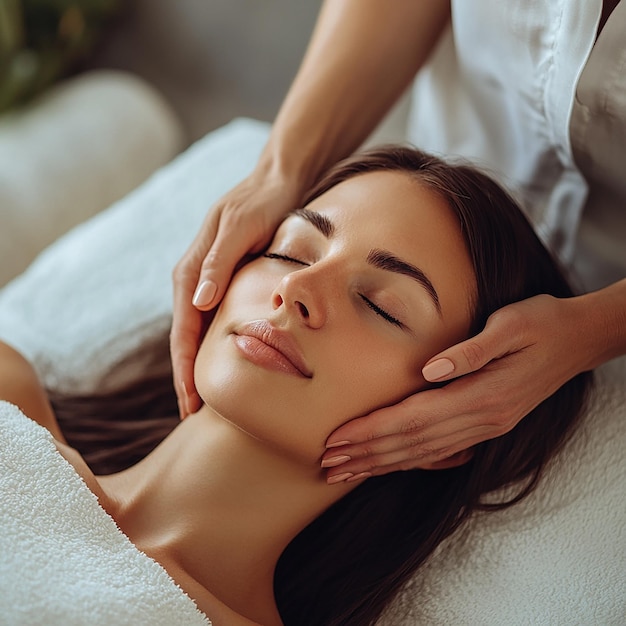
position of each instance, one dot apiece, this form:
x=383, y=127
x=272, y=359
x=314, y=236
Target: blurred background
x=95, y=95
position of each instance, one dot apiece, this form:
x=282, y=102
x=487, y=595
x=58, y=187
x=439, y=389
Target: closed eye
x=381, y=312
x=390, y=318
x=284, y=257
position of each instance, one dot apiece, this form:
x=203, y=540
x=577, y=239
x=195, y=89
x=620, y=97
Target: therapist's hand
x=525, y=353
x=241, y=223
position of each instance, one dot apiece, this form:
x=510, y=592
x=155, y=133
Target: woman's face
x=355, y=293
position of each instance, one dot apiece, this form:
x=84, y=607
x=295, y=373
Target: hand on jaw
x=526, y=351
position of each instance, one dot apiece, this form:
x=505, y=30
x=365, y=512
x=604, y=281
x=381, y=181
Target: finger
x=401, y=460
x=187, y=320
x=187, y=323
x=472, y=354
x=409, y=415
x=232, y=242
x=420, y=442
x=399, y=448
x=187, y=327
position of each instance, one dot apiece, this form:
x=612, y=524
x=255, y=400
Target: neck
x=226, y=503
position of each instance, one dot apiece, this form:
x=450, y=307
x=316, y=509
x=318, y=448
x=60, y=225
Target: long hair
x=346, y=566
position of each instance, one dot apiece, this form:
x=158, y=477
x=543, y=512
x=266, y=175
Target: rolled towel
x=84, y=310
x=73, y=152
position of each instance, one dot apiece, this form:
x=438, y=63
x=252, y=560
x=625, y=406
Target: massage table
x=81, y=314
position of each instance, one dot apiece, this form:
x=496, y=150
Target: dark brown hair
x=347, y=565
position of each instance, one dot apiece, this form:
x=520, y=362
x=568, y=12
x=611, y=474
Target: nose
x=301, y=293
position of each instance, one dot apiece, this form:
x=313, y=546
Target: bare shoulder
x=73, y=457
x=20, y=385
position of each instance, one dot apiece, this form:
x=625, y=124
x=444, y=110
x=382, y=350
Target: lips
x=269, y=346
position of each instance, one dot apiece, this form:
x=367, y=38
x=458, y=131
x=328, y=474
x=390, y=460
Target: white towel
x=63, y=560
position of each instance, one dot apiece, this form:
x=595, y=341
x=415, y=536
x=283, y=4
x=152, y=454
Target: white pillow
x=72, y=152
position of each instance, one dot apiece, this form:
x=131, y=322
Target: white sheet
x=64, y=561
x=87, y=305
x=558, y=558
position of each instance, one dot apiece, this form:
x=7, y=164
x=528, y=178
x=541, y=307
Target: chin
x=254, y=405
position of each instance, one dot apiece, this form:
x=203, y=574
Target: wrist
x=601, y=324
x=293, y=166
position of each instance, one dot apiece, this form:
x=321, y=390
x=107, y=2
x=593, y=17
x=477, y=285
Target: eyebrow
x=321, y=222
x=382, y=259
x=385, y=260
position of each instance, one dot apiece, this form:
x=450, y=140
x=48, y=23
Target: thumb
x=218, y=267
x=468, y=356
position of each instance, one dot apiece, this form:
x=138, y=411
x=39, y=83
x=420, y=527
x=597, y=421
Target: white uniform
x=525, y=90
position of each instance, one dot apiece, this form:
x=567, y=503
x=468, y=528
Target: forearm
x=362, y=56
x=20, y=385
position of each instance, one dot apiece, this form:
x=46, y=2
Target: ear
x=460, y=458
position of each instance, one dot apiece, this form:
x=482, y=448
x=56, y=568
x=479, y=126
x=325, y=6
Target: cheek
x=248, y=297
x=249, y=285
x=374, y=376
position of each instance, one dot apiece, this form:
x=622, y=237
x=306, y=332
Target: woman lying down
x=394, y=257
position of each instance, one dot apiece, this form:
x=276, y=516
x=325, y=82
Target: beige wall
x=214, y=59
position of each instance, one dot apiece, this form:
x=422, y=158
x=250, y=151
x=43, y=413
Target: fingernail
x=204, y=293
x=339, y=478
x=438, y=369
x=333, y=461
x=336, y=444
x=356, y=477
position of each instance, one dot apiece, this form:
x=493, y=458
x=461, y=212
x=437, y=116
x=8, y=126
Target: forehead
x=393, y=206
